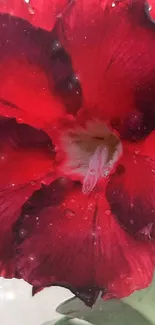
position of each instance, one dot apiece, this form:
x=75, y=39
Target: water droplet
x=131, y=222
x=137, y=152
x=26, y=216
x=90, y=206
x=20, y=120
x=31, y=257
x=113, y=4
x=31, y=10
x=56, y=45
x=107, y=212
x=33, y=183
x=131, y=205
x=69, y=213
x=22, y=233
x=106, y=173
x=27, y=1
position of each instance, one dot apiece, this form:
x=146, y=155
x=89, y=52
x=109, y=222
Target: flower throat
x=91, y=153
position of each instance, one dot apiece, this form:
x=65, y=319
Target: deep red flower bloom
x=78, y=186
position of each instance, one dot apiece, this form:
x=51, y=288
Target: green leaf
x=137, y=309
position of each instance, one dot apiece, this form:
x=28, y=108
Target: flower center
x=91, y=153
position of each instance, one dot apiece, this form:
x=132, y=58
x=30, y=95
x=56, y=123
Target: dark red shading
x=75, y=242
x=112, y=48
x=39, y=13
x=131, y=190
x=27, y=85
x=67, y=86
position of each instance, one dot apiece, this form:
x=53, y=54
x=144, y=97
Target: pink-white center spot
x=92, y=153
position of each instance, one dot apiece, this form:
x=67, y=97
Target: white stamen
x=99, y=166
x=91, y=153
x=96, y=164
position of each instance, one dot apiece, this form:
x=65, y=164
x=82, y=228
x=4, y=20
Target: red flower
x=77, y=187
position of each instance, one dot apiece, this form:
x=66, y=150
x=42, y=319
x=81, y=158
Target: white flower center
x=91, y=153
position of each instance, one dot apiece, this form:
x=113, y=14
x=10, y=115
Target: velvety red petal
x=131, y=190
x=39, y=13
x=74, y=241
x=27, y=89
x=24, y=164
x=112, y=44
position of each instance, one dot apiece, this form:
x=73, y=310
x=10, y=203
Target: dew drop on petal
x=56, y=45
x=22, y=233
x=31, y=257
x=26, y=216
x=107, y=212
x=69, y=213
x=31, y=10
x=90, y=206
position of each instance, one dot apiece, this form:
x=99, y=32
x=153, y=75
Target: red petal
x=80, y=231
x=39, y=13
x=21, y=163
x=131, y=191
x=22, y=168
x=11, y=201
x=112, y=48
x=27, y=87
x=150, y=9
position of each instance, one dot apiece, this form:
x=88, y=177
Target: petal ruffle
x=39, y=13
x=74, y=241
x=27, y=89
x=112, y=44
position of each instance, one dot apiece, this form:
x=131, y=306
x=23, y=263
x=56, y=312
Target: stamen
x=96, y=165
x=99, y=166
x=90, y=153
